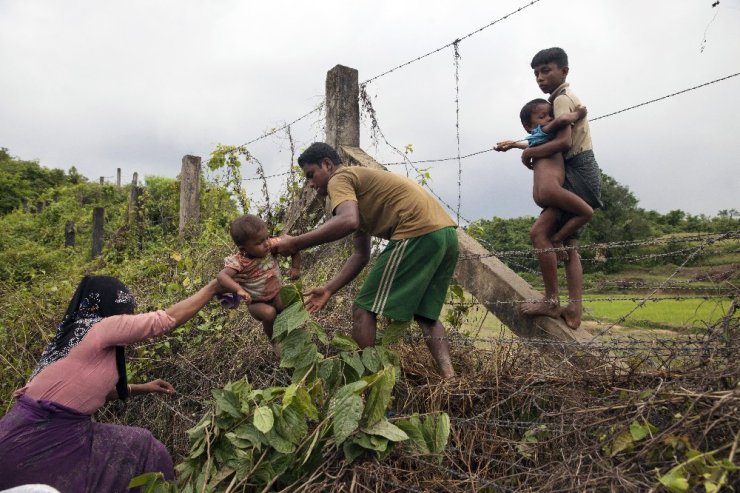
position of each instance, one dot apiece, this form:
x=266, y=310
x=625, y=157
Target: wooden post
x=118, y=178
x=189, y=196
x=69, y=233
x=97, y=232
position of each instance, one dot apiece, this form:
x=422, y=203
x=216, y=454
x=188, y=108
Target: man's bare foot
x=546, y=307
x=562, y=255
x=572, y=316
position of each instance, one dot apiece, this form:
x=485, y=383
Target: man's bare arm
x=346, y=220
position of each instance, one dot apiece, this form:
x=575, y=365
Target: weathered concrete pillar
x=189, y=196
x=342, y=129
x=69, y=233
x=118, y=178
x=342, y=107
x=97, y=231
x=102, y=180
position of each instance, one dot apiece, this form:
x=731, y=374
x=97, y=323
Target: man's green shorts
x=411, y=276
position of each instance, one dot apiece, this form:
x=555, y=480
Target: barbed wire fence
x=520, y=418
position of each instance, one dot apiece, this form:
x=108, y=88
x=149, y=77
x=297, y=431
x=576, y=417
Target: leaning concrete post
x=69, y=233
x=189, y=196
x=118, y=178
x=97, y=232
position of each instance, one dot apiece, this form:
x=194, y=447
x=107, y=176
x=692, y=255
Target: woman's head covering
x=96, y=298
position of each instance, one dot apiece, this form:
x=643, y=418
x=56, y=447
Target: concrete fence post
x=97, y=231
x=189, y=196
x=69, y=234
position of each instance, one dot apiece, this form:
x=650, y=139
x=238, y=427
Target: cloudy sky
x=101, y=85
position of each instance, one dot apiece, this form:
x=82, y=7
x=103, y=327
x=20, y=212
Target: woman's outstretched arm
x=187, y=308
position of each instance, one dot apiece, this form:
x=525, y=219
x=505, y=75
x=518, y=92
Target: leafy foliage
x=273, y=437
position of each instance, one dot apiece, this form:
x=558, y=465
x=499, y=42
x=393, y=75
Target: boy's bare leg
x=364, y=326
x=574, y=275
x=436, y=339
x=540, y=236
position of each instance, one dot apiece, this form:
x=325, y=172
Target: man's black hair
x=548, y=55
x=525, y=115
x=245, y=227
x=316, y=152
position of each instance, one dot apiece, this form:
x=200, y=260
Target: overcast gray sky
x=138, y=84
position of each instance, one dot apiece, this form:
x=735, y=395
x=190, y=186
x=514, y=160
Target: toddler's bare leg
x=549, y=192
x=540, y=236
x=265, y=313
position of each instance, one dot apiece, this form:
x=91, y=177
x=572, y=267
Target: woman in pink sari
x=48, y=436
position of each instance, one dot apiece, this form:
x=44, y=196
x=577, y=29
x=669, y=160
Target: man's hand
x=317, y=299
x=157, y=386
x=286, y=246
x=294, y=274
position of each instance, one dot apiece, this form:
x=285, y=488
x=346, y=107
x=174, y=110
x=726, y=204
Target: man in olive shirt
x=411, y=276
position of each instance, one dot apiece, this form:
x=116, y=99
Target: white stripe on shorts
x=386, y=280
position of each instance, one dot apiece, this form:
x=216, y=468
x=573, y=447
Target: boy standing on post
x=582, y=177
x=409, y=280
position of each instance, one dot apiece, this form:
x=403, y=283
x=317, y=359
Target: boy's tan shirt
x=563, y=101
x=391, y=206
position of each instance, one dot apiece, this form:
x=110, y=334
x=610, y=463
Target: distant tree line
x=621, y=219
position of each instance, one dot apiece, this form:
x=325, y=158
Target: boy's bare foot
x=572, y=316
x=562, y=255
x=547, y=307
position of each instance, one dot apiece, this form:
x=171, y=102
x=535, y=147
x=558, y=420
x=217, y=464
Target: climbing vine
x=278, y=436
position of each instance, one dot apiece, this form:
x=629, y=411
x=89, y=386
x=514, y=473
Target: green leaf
x=371, y=359
x=441, y=433
x=319, y=332
x=371, y=442
x=227, y=402
x=263, y=419
x=352, y=451
x=329, y=372
x=344, y=343
x=289, y=295
x=354, y=361
x=380, y=396
x=347, y=417
x=145, y=479
x=291, y=425
x=294, y=349
x=290, y=392
x=394, y=332
x=279, y=443
x=639, y=431
x=621, y=443
x=303, y=402
x=247, y=431
x=675, y=480
x=412, y=427
x=289, y=319
x=388, y=430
